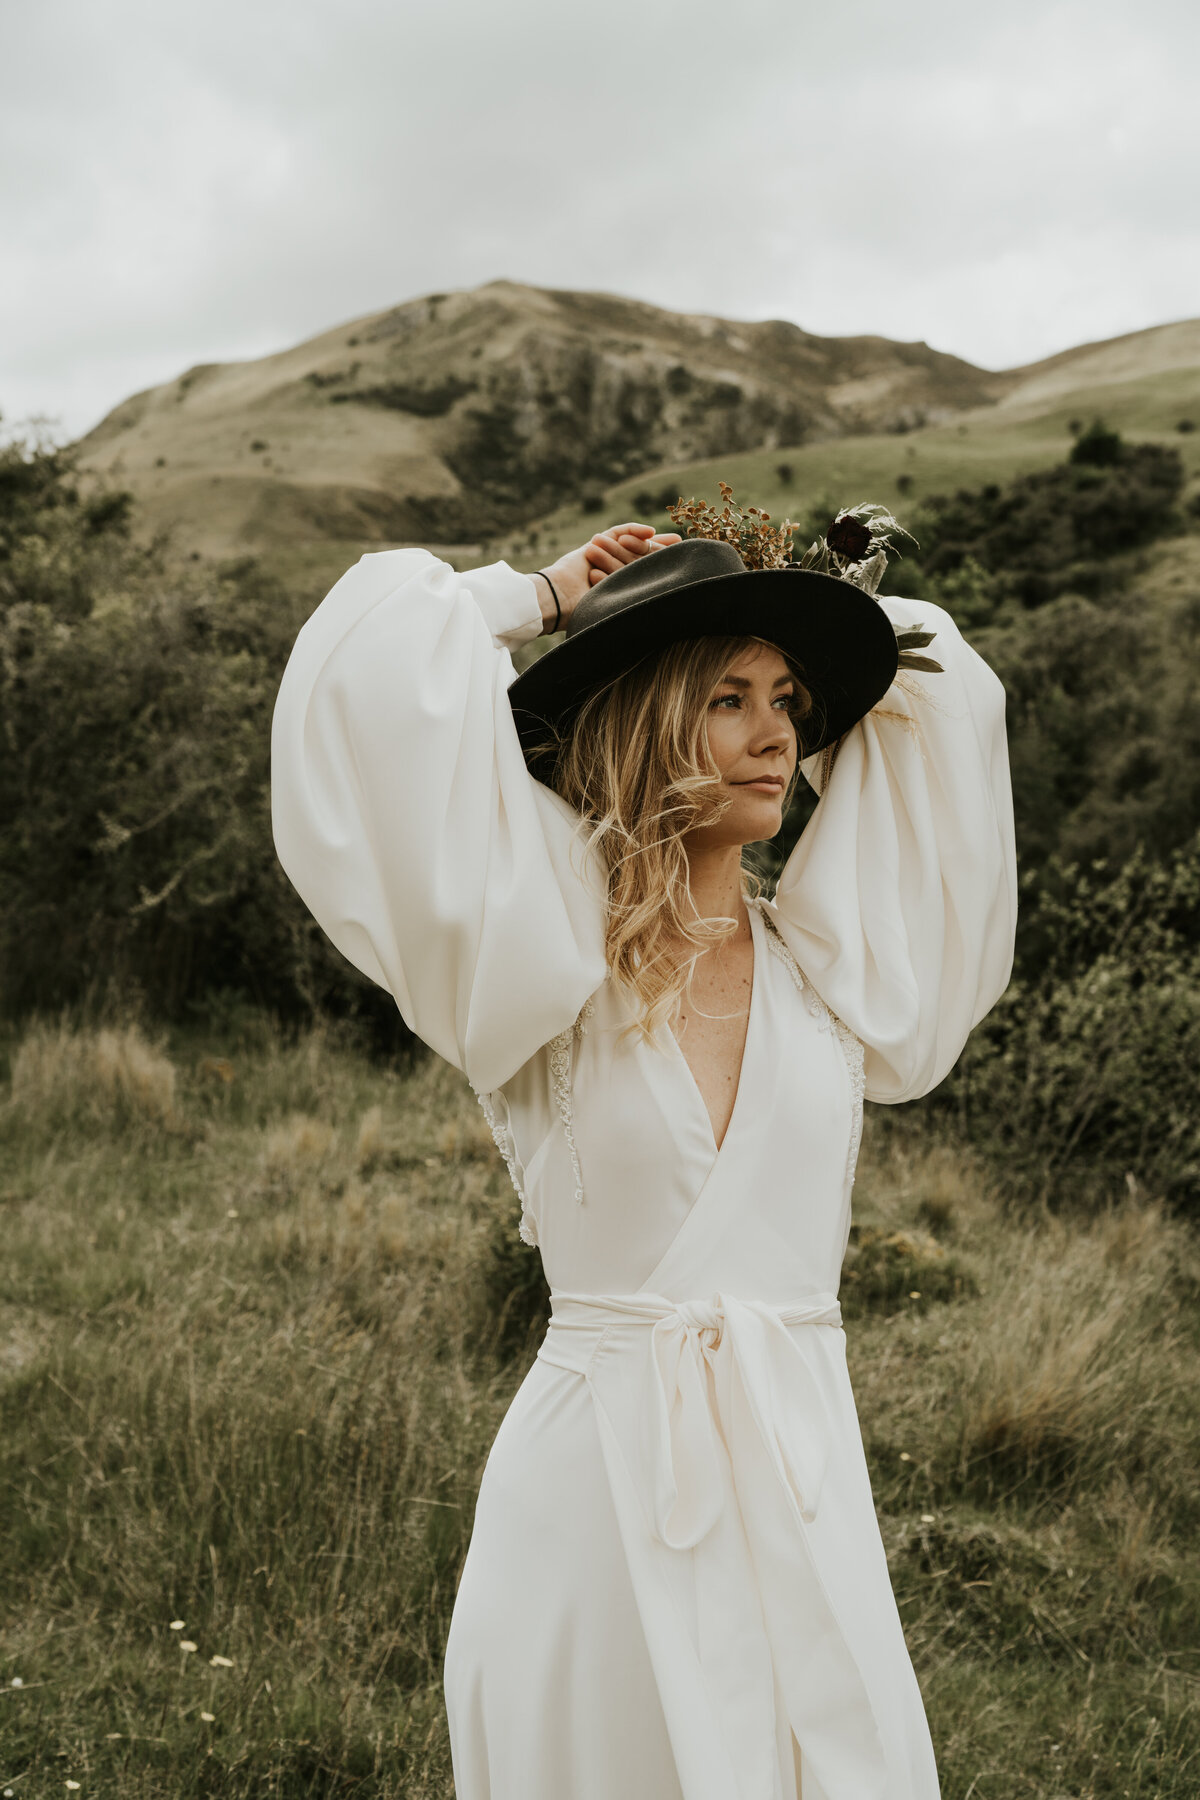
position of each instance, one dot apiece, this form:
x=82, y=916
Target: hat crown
x=657, y=573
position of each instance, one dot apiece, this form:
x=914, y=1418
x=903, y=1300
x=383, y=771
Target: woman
x=676, y=1584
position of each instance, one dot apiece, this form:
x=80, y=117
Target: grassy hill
x=471, y=411
x=1145, y=385
x=512, y=420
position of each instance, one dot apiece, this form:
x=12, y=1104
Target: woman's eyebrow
x=743, y=681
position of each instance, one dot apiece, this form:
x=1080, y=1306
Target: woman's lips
x=766, y=785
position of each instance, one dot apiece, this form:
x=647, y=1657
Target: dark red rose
x=849, y=538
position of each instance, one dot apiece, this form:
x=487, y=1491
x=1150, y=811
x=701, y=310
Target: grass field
x=254, y=1347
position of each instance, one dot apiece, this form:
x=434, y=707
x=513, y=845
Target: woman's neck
x=715, y=878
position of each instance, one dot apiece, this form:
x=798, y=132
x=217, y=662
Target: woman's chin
x=758, y=816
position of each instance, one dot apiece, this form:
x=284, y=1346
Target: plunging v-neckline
x=750, y=1018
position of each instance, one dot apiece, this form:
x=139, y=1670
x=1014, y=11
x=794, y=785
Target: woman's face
x=753, y=741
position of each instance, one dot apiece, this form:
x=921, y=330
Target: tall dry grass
x=111, y=1077
x=258, y=1330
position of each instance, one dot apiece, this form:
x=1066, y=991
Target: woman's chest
x=712, y=1027
x=620, y=1153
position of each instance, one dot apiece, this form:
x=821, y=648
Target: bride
x=676, y=1587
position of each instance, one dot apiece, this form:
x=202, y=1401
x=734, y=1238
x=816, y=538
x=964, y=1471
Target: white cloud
x=194, y=184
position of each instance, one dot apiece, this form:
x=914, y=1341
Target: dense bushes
x=1084, y=1076
x=1104, y=724
x=134, y=785
x=1055, y=530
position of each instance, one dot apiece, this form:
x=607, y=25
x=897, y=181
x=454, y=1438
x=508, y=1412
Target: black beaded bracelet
x=557, y=607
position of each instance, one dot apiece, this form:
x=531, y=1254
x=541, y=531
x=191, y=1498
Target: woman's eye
x=781, y=699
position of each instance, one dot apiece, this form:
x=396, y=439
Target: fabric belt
x=716, y=1431
x=684, y=1336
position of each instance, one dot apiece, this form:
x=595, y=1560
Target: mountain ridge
x=460, y=415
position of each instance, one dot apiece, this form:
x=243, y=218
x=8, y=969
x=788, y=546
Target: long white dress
x=676, y=1585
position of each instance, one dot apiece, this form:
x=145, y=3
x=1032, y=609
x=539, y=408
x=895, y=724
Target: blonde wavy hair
x=635, y=762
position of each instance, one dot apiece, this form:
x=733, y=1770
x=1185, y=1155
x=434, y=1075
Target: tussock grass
x=109, y=1079
x=254, y=1349
x=1076, y=1362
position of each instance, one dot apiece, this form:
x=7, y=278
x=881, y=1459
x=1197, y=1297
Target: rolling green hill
x=1145, y=385
x=512, y=420
x=471, y=412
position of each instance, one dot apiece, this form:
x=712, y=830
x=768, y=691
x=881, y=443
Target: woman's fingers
x=622, y=547
x=625, y=541
x=604, y=560
x=611, y=549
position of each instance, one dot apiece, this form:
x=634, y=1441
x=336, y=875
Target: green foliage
x=1098, y=447
x=1053, y=531
x=135, y=704
x=1104, y=723
x=1083, y=1078
x=61, y=547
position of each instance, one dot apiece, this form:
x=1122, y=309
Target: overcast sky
x=187, y=182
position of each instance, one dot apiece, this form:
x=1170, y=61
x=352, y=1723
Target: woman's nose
x=770, y=728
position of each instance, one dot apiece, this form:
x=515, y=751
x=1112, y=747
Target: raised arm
x=900, y=899
x=404, y=813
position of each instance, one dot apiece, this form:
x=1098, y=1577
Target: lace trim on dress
x=560, y=1072
x=851, y=1046
x=503, y=1138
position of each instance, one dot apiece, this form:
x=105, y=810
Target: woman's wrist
x=547, y=601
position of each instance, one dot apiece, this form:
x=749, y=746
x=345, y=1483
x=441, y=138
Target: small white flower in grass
x=209, y=1718
x=16, y=1682
x=915, y=1294
x=73, y=1785
x=928, y=1519
x=8, y=1794
x=221, y=1662
x=176, y=1625
x=186, y=1644
x=904, y=1456
x=232, y=1213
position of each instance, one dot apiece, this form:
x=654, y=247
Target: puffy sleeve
x=899, y=901
x=405, y=815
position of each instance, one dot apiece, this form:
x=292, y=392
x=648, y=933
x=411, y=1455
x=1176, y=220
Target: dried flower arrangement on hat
x=760, y=544
x=853, y=547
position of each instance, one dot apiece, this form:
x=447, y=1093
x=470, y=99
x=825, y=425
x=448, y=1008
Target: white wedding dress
x=676, y=1585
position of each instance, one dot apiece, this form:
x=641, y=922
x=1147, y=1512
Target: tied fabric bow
x=745, y=1349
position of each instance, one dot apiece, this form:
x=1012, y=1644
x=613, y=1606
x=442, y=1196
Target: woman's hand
x=576, y=573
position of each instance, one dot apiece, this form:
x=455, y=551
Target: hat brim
x=841, y=639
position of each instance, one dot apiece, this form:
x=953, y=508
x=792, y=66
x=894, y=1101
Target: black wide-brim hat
x=840, y=638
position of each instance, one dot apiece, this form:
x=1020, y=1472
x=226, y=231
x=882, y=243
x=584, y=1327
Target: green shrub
x=1083, y=1077
x=1053, y=531
x=137, y=855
